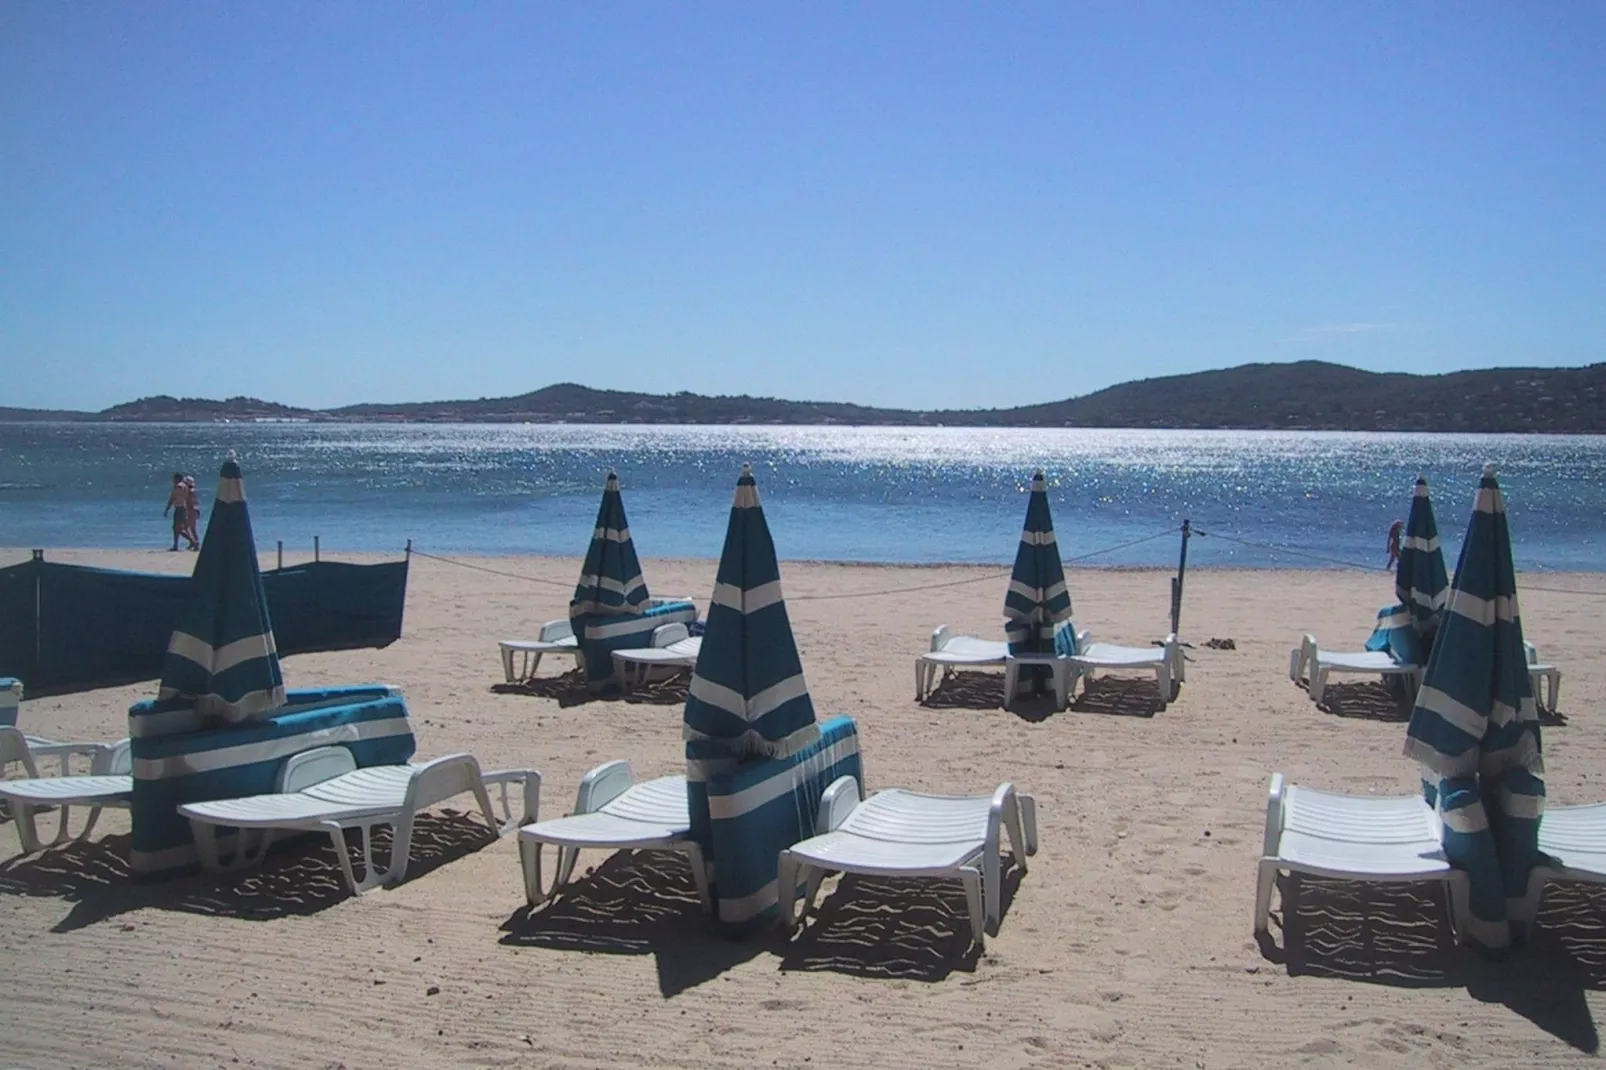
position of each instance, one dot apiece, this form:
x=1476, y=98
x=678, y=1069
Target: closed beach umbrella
x=747, y=695
x=1475, y=729
x=610, y=580
x=1038, y=601
x=1419, y=578
x=222, y=658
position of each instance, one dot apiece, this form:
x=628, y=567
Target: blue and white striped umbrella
x=1475, y=729
x=1038, y=601
x=610, y=580
x=222, y=658
x=747, y=695
x=1420, y=581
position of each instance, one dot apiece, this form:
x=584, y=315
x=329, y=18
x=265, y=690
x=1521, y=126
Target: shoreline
x=85, y=555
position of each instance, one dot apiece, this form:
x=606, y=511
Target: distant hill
x=1309, y=395
x=1329, y=397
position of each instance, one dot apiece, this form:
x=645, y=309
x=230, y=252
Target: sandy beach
x=1127, y=944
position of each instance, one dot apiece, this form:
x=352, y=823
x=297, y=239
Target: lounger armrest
x=1274, y=817
x=1013, y=812
x=529, y=780
x=939, y=638
x=1531, y=652
x=838, y=801
x=553, y=630
x=111, y=759
x=602, y=786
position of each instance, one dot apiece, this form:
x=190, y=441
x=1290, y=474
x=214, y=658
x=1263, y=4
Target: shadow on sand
x=1399, y=934
x=299, y=877
x=634, y=903
x=891, y=928
x=1369, y=700
x=1122, y=696
x=568, y=689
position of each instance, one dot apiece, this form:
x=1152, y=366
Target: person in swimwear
x=178, y=503
x=1394, y=542
x=192, y=506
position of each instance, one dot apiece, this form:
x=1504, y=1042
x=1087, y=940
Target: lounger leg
x=1011, y=682
x=971, y=879
x=1318, y=683
x=565, y=867
x=1459, y=895
x=1267, y=878
x=786, y=892
x=507, y=664
x=337, y=840
x=530, y=860
x=1162, y=683
x=699, y=876
x=532, y=664
x=401, y=843
x=206, y=845
x=22, y=815
x=89, y=825
x=920, y=679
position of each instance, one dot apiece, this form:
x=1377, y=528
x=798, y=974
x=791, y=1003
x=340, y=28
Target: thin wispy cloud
x=1337, y=330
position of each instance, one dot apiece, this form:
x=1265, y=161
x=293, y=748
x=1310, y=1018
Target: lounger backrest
x=113, y=759
x=14, y=748
x=839, y=800
x=939, y=638
x=553, y=630
x=302, y=771
x=1531, y=651
x=667, y=634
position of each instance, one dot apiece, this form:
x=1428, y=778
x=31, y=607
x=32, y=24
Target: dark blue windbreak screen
x=328, y=605
x=66, y=628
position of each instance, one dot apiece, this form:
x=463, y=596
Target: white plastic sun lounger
x=39, y=748
x=108, y=785
x=1310, y=664
x=900, y=833
x=1164, y=661
x=673, y=649
x=614, y=813
x=1539, y=674
x=322, y=791
x=1349, y=837
x=953, y=652
x=555, y=637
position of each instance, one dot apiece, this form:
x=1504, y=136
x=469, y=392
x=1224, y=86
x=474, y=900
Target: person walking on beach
x=192, y=507
x=1394, y=542
x=178, y=502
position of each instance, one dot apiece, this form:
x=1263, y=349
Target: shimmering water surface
x=838, y=493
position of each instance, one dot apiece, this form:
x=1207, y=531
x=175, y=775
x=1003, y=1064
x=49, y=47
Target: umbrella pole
x=1176, y=583
x=38, y=615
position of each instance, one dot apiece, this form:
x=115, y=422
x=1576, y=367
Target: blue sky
x=912, y=204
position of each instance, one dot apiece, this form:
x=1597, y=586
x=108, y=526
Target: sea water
x=885, y=494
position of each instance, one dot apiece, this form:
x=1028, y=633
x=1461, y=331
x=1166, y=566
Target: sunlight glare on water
x=840, y=493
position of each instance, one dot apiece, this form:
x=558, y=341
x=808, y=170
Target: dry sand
x=1127, y=944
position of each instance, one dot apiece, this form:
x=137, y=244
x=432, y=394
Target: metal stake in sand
x=1176, y=583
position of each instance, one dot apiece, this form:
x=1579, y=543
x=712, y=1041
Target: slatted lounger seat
x=323, y=791
x=1164, y=661
x=673, y=650
x=614, y=813
x=1310, y=664
x=953, y=652
x=900, y=833
x=1348, y=837
x=109, y=785
x=556, y=637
